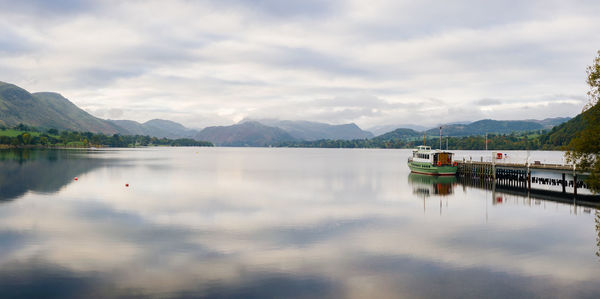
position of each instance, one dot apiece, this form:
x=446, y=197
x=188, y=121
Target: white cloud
x=186, y=61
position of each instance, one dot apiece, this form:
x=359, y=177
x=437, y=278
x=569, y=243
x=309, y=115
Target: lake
x=279, y=222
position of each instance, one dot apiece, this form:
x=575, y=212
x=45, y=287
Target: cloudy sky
x=375, y=62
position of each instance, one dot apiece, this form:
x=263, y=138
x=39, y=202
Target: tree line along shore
x=22, y=136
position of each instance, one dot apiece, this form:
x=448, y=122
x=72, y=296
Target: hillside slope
x=562, y=134
x=398, y=134
x=310, y=131
x=46, y=109
x=248, y=133
x=157, y=127
x=487, y=126
x=549, y=123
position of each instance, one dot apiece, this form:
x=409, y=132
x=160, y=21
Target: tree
x=584, y=149
x=593, y=80
x=21, y=127
x=26, y=138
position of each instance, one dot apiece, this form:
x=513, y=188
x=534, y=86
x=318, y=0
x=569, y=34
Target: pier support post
x=528, y=179
x=564, y=183
x=575, y=185
x=493, y=169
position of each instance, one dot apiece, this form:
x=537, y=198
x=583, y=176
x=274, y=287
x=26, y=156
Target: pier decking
x=519, y=176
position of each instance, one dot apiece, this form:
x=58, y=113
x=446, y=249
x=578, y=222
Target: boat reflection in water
x=427, y=185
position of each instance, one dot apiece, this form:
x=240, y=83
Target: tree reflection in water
x=597, y=221
x=44, y=171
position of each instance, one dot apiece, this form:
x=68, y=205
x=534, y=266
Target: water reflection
x=597, y=221
x=283, y=223
x=428, y=185
x=43, y=171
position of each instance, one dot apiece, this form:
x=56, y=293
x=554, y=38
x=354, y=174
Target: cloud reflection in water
x=230, y=222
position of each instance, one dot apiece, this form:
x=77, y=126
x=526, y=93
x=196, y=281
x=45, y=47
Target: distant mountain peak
x=248, y=133
x=312, y=130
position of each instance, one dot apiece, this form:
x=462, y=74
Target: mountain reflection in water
x=259, y=222
x=44, y=171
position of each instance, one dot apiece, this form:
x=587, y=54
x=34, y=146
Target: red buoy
x=126, y=185
x=75, y=178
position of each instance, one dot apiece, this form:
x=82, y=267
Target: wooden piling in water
x=518, y=176
x=575, y=185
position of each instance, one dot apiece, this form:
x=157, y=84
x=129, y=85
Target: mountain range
x=249, y=133
x=156, y=127
x=484, y=126
x=382, y=129
x=310, y=131
x=52, y=110
x=487, y=126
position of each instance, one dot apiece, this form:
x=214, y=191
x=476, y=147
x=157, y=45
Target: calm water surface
x=260, y=222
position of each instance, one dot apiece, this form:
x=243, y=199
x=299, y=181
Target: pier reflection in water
x=250, y=222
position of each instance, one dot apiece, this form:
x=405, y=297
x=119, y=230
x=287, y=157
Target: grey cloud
x=488, y=102
x=283, y=9
x=371, y=63
x=50, y=8
x=302, y=58
x=413, y=19
x=102, y=76
x=12, y=43
x=367, y=101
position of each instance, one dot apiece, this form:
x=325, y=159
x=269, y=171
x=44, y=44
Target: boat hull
x=428, y=169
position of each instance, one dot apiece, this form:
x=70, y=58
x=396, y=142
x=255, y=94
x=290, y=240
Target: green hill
x=156, y=127
x=398, y=134
x=487, y=126
x=248, y=133
x=49, y=110
x=550, y=123
x=562, y=134
x=310, y=131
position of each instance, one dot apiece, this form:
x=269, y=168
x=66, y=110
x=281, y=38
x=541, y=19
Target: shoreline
x=8, y=146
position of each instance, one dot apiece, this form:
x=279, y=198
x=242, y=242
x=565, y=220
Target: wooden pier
x=519, y=176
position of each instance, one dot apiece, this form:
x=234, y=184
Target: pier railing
x=519, y=176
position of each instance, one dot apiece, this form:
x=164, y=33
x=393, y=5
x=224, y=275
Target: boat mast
x=486, y=141
x=440, y=138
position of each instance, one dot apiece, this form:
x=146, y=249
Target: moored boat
x=424, y=160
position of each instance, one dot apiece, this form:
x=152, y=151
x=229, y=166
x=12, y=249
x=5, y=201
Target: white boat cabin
x=425, y=154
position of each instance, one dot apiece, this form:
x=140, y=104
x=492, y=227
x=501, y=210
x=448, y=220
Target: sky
x=375, y=62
